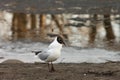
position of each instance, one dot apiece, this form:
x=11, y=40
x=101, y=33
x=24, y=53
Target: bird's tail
x=36, y=52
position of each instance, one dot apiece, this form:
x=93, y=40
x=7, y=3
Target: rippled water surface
x=22, y=51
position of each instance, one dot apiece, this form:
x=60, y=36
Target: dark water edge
x=61, y=6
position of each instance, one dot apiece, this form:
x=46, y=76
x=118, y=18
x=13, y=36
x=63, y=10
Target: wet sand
x=39, y=71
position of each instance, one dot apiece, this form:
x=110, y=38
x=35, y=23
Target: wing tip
x=36, y=52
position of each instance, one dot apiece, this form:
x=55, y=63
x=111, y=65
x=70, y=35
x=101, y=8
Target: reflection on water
x=80, y=30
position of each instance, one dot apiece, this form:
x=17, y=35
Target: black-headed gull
x=52, y=53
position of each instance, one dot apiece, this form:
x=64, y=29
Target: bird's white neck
x=55, y=44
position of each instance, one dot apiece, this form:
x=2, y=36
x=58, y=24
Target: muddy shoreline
x=39, y=71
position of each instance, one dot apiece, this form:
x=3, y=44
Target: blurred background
x=81, y=30
x=28, y=25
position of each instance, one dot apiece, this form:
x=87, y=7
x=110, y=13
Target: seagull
x=52, y=53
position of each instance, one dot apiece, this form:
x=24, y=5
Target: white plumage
x=52, y=53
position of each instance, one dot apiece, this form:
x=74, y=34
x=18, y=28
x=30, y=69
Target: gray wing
x=44, y=55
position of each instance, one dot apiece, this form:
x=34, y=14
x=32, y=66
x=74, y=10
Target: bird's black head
x=60, y=40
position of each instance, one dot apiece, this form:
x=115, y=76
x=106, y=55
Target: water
x=22, y=51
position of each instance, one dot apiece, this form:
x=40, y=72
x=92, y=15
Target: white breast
x=54, y=51
x=54, y=55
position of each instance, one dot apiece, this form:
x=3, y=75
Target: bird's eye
x=59, y=40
